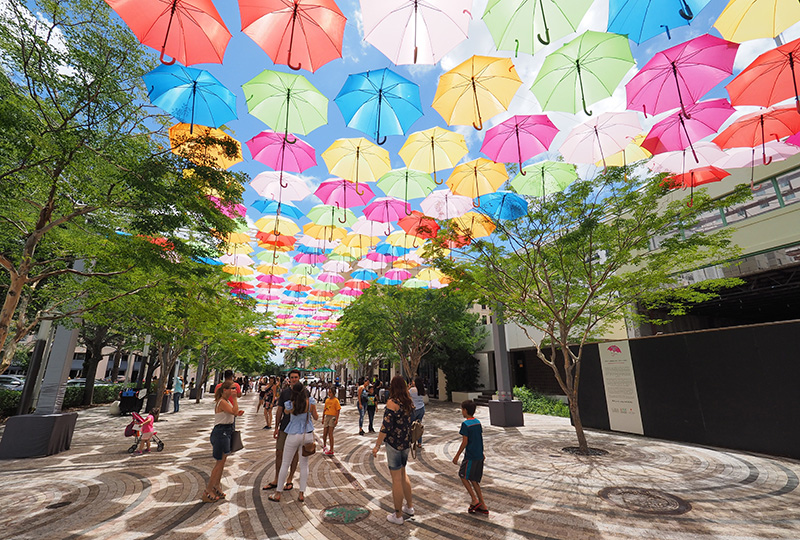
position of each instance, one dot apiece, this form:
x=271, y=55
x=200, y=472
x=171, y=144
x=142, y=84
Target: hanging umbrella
x=582, y=72
x=473, y=225
x=277, y=225
x=336, y=266
x=694, y=178
x=200, y=147
x=364, y=274
x=359, y=240
x=419, y=225
x=630, y=154
x=641, y=20
x=415, y=31
x=190, y=95
x=273, y=150
x=519, y=138
x=379, y=103
x=397, y=274
x=190, y=31
x=739, y=158
x=433, y=150
x=273, y=269
x=279, y=186
x=544, y=178
x=599, y=137
x=503, y=205
x=476, y=90
x=443, y=204
x=274, y=258
x=357, y=160
x=370, y=265
x=681, y=75
x=477, y=177
x=328, y=232
x=769, y=79
x=677, y=131
x=286, y=102
x=681, y=161
x=330, y=277
x=275, y=242
x=757, y=128
x=297, y=33
x=278, y=208
x=337, y=190
x=397, y=244
x=743, y=20
x=368, y=227
x=414, y=283
x=530, y=25
x=359, y=284
x=310, y=258
x=406, y=184
x=386, y=209
x=325, y=214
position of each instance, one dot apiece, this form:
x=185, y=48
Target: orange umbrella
x=197, y=144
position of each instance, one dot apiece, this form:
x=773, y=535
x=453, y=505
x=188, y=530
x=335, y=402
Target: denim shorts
x=221, y=440
x=397, y=459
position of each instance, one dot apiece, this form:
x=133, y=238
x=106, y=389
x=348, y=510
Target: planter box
x=458, y=397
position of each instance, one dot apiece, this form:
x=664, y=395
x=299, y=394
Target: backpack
x=417, y=429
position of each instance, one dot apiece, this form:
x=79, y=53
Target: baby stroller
x=134, y=430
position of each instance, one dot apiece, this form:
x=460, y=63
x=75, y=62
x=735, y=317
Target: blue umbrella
x=191, y=95
x=379, y=103
x=386, y=281
x=268, y=206
x=364, y=274
x=644, y=19
x=503, y=205
x=388, y=249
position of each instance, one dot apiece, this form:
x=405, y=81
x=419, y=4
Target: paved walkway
x=533, y=489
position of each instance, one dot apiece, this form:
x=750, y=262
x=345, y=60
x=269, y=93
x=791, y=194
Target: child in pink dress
x=148, y=430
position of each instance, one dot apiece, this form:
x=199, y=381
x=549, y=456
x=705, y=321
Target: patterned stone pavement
x=534, y=490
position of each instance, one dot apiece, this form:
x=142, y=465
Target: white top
x=222, y=417
x=418, y=400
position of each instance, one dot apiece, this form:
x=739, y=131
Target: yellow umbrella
x=301, y=279
x=273, y=247
x=433, y=150
x=356, y=251
x=274, y=269
x=277, y=225
x=240, y=270
x=402, y=239
x=473, y=225
x=476, y=90
x=477, y=177
x=743, y=20
x=360, y=240
x=357, y=160
x=630, y=154
x=405, y=263
x=321, y=232
x=239, y=249
x=198, y=146
x=237, y=238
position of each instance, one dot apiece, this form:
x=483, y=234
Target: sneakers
x=327, y=452
x=324, y=449
x=408, y=510
x=392, y=518
x=361, y=432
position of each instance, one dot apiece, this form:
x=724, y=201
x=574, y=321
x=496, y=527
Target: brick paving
x=533, y=489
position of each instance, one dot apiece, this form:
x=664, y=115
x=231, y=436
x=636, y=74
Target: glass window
x=789, y=185
x=709, y=220
x=764, y=200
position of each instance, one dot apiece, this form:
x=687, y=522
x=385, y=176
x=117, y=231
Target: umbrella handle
x=585, y=110
x=546, y=40
x=478, y=127
x=381, y=142
x=166, y=63
x=686, y=11
x=478, y=204
x=436, y=180
x=766, y=160
x=359, y=192
x=521, y=171
x=286, y=138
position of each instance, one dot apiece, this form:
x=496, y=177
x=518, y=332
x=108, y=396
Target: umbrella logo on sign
x=614, y=349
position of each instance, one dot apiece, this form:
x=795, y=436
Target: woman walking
x=396, y=432
x=417, y=393
x=302, y=409
x=225, y=413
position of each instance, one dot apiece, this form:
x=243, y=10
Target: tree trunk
x=202, y=373
x=13, y=294
x=94, y=353
x=117, y=360
x=583, y=446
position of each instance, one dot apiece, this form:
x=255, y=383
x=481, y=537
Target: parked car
x=12, y=382
x=82, y=382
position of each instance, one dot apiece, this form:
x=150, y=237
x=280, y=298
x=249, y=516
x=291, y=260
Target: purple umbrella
x=519, y=138
x=678, y=131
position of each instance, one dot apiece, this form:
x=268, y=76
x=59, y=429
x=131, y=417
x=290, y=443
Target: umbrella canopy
x=582, y=72
x=681, y=75
x=415, y=31
x=368, y=227
x=641, y=20
x=298, y=33
x=278, y=208
x=196, y=143
x=432, y=150
x=363, y=274
x=328, y=232
x=631, y=153
x=359, y=240
x=530, y=25
x=386, y=209
x=419, y=225
x=286, y=102
x=743, y=20
x=503, y=205
x=755, y=129
x=474, y=225
x=277, y=225
x=769, y=79
x=357, y=160
x=677, y=131
x=739, y=158
x=406, y=184
x=476, y=90
x=599, y=137
x=190, y=95
x=544, y=178
x=280, y=186
x=397, y=274
x=443, y=204
x=694, y=178
x=379, y=103
x=519, y=138
x=326, y=214
x=273, y=150
x=343, y=193
x=190, y=31
x=477, y=177
x=705, y=153
x=273, y=258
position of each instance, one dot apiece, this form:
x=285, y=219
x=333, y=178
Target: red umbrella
x=677, y=132
x=769, y=79
x=357, y=284
x=757, y=128
x=681, y=75
x=519, y=138
x=190, y=31
x=419, y=225
x=275, y=240
x=694, y=178
x=298, y=33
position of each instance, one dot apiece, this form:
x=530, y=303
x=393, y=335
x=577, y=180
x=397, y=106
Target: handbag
x=309, y=448
x=236, y=441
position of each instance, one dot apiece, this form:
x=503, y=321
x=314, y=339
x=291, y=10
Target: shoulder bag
x=309, y=448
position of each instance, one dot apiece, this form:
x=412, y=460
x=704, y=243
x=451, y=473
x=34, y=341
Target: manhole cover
x=649, y=501
x=576, y=451
x=345, y=513
x=61, y=504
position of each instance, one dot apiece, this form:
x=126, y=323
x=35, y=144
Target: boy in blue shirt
x=471, y=470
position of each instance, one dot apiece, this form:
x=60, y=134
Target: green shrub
x=73, y=397
x=9, y=402
x=534, y=402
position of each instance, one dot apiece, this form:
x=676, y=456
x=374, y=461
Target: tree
x=406, y=324
x=578, y=261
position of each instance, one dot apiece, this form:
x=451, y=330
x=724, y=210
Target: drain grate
x=61, y=504
x=345, y=514
x=648, y=501
x=576, y=451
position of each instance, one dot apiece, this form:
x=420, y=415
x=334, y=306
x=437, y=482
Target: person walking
x=361, y=400
x=396, y=432
x=471, y=471
x=177, y=394
x=270, y=393
x=225, y=413
x=372, y=405
x=417, y=393
x=330, y=417
x=302, y=409
x=281, y=422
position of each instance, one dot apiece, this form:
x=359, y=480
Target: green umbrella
x=530, y=25
x=286, y=102
x=415, y=283
x=406, y=184
x=305, y=269
x=341, y=257
x=324, y=370
x=273, y=257
x=582, y=72
x=328, y=215
x=544, y=178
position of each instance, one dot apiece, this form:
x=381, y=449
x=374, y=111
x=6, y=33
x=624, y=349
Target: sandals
x=301, y=497
x=220, y=494
x=274, y=497
x=478, y=510
x=209, y=497
x=288, y=486
x=269, y=486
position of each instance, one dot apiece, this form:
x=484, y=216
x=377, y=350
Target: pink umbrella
x=351, y=292
x=739, y=158
x=397, y=273
x=601, y=136
x=280, y=187
x=443, y=204
x=681, y=75
x=336, y=191
x=267, y=297
x=274, y=151
x=380, y=257
x=270, y=279
x=707, y=154
x=330, y=277
x=519, y=138
x=370, y=265
x=336, y=266
x=310, y=258
x=230, y=210
x=677, y=131
x=386, y=209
